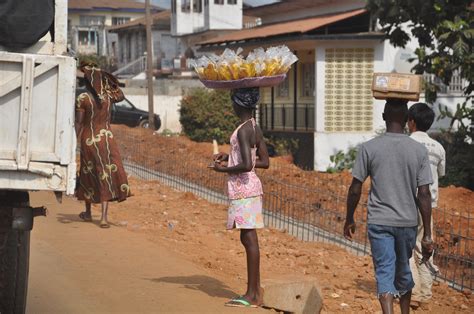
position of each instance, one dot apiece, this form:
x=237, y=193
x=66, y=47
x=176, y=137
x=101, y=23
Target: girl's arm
x=263, y=161
x=244, y=142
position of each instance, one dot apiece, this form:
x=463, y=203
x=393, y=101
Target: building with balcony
x=88, y=19
x=170, y=50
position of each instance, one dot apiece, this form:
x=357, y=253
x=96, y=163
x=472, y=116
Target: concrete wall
x=164, y=105
x=168, y=95
x=170, y=87
x=165, y=46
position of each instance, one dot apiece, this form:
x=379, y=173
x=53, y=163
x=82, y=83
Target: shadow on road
x=68, y=218
x=208, y=285
x=73, y=218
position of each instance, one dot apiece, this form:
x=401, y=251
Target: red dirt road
x=77, y=267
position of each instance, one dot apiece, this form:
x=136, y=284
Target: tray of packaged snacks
x=262, y=81
x=261, y=68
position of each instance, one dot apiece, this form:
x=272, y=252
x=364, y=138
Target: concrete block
x=295, y=295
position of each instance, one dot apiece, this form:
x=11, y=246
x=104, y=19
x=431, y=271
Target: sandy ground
x=77, y=267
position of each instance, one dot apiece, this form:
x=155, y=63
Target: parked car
x=124, y=112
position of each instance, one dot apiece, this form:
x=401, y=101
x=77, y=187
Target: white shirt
x=437, y=156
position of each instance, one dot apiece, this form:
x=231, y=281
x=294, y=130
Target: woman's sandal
x=240, y=302
x=84, y=217
x=104, y=225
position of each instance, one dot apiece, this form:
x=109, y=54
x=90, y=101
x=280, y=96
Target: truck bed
x=37, y=139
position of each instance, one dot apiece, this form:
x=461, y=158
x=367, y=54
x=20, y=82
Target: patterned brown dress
x=102, y=177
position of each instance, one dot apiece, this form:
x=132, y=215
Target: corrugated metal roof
x=297, y=26
x=106, y=4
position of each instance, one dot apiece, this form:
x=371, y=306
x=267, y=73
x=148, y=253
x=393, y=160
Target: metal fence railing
x=307, y=204
x=287, y=117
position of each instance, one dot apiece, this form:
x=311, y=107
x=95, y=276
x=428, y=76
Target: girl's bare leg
x=249, y=239
x=103, y=218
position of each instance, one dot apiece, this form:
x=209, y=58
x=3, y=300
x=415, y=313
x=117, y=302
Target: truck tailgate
x=37, y=140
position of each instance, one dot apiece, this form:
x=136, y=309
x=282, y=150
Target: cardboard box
x=396, y=85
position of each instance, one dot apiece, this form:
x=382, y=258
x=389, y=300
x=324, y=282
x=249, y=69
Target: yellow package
x=247, y=70
x=223, y=71
x=271, y=67
x=210, y=72
x=235, y=70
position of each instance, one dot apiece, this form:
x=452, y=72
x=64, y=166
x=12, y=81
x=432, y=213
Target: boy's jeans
x=392, y=249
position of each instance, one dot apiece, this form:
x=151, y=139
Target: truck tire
x=14, y=258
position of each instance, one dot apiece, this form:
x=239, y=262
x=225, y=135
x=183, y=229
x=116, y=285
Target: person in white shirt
x=420, y=119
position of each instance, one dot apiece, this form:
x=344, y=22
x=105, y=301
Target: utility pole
x=149, y=66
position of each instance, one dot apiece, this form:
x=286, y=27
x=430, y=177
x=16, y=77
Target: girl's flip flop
x=240, y=302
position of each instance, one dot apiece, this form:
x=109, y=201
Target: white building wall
x=224, y=16
x=165, y=106
x=328, y=8
x=329, y=143
x=187, y=22
x=213, y=17
x=198, y=19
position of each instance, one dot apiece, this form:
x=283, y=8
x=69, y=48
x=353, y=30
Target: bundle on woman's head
x=102, y=83
x=246, y=97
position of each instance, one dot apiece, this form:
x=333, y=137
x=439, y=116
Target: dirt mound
x=314, y=197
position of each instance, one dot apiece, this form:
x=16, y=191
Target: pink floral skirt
x=245, y=213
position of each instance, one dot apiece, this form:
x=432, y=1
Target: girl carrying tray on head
x=248, y=151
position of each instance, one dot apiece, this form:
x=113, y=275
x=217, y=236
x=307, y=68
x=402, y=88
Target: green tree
x=208, y=114
x=444, y=30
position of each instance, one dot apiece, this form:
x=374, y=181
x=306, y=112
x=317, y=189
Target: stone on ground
x=295, y=295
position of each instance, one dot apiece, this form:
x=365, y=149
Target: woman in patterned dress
x=102, y=178
x=248, y=151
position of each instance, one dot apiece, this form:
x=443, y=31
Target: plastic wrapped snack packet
x=223, y=71
x=206, y=68
x=257, y=59
x=286, y=62
x=199, y=70
x=247, y=70
x=235, y=61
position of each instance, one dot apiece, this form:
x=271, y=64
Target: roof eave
x=279, y=39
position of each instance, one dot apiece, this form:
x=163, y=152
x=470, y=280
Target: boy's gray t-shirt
x=397, y=166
